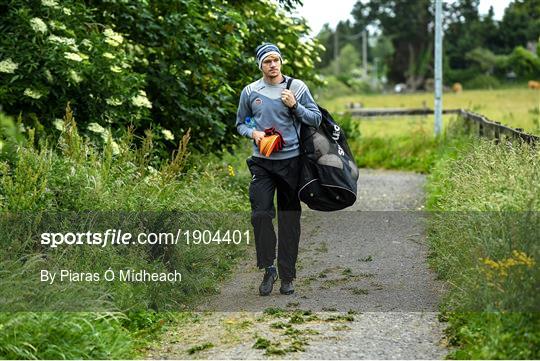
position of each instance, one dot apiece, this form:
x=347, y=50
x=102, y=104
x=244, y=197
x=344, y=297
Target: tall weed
x=484, y=234
x=77, y=175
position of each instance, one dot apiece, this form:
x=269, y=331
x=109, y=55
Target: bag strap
x=293, y=116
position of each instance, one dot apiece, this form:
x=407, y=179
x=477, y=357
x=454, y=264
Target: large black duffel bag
x=329, y=173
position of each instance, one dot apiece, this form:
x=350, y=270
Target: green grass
x=483, y=235
x=517, y=107
x=70, y=173
x=409, y=143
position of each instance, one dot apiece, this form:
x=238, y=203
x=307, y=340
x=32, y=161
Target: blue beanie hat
x=264, y=50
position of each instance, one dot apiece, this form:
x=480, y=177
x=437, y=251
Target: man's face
x=271, y=66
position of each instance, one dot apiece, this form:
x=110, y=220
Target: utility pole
x=336, y=50
x=364, y=53
x=438, y=66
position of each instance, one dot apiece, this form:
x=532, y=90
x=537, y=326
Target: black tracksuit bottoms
x=267, y=177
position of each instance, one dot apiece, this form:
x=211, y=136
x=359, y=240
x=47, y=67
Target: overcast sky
x=319, y=12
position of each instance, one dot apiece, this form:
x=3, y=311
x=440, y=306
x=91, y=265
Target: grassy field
x=409, y=142
x=516, y=107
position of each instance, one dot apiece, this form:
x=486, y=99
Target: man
x=266, y=105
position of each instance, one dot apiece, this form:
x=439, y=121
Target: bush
x=482, y=82
x=53, y=54
x=167, y=65
x=524, y=63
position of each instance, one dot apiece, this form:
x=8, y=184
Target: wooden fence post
x=497, y=133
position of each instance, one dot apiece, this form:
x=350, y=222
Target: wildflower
x=38, y=25
x=115, y=147
x=62, y=40
x=75, y=56
x=116, y=69
x=86, y=43
x=48, y=75
x=59, y=124
x=50, y=3
x=167, y=134
x=187, y=72
x=502, y=267
x=96, y=128
x=522, y=258
x=32, y=93
x=112, y=38
x=141, y=100
x=56, y=25
x=75, y=76
x=8, y=66
x=108, y=55
x=231, y=170
x=113, y=101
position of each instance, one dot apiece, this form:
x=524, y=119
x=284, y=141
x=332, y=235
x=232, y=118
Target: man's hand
x=257, y=136
x=287, y=97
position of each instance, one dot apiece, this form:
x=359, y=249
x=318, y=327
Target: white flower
x=112, y=37
x=75, y=56
x=115, y=148
x=48, y=75
x=141, y=100
x=86, y=43
x=75, y=76
x=57, y=25
x=96, y=128
x=8, y=66
x=66, y=11
x=50, y=3
x=116, y=69
x=108, y=55
x=59, y=124
x=63, y=41
x=32, y=93
x=113, y=101
x=187, y=72
x=38, y=25
x=167, y=134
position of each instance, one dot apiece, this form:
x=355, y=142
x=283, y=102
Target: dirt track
x=363, y=289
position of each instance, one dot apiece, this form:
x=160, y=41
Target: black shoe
x=267, y=284
x=286, y=288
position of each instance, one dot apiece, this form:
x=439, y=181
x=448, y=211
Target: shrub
x=482, y=81
x=524, y=63
x=166, y=65
x=58, y=53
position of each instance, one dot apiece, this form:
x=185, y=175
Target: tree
x=347, y=33
x=409, y=25
x=520, y=25
x=348, y=61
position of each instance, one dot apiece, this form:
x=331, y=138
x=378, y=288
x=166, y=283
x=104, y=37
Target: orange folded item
x=269, y=144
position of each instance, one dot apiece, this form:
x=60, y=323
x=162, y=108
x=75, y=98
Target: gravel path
x=363, y=291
